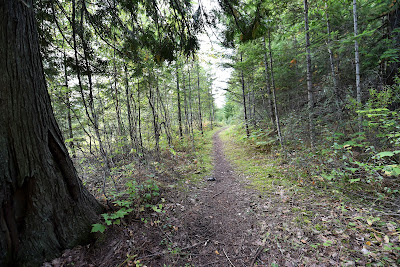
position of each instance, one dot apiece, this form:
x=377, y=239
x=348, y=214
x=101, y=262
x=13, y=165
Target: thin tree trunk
x=309, y=79
x=357, y=63
x=185, y=104
x=278, y=125
x=191, y=132
x=199, y=99
x=166, y=118
x=151, y=99
x=211, y=107
x=269, y=95
x=332, y=64
x=44, y=207
x=244, y=99
x=68, y=104
x=139, y=118
x=132, y=132
x=179, y=103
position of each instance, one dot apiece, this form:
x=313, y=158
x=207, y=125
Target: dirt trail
x=224, y=223
x=220, y=219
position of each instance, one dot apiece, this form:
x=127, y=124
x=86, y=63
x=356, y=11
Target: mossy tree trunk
x=44, y=207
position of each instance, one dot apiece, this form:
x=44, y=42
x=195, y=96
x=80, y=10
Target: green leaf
x=385, y=154
x=97, y=227
x=354, y=180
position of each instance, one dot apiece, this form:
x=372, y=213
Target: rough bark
x=44, y=207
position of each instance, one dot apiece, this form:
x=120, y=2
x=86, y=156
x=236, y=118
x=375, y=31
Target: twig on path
x=259, y=250
x=218, y=194
x=226, y=255
x=165, y=252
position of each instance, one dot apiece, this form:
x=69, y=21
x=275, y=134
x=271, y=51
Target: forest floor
x=232, y=218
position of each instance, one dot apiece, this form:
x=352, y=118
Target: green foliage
x=136, y=197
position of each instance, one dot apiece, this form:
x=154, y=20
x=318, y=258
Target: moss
x=263, y=170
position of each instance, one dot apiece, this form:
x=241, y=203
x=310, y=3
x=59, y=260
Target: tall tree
x=244, y=97
x=357, y=62
x=309, y=77
x=44, y=207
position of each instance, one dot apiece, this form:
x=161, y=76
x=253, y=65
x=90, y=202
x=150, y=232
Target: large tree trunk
x=44, y=207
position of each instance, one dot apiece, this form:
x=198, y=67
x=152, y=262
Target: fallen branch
x=259, y=250
x=228, y=258
x=218, y=194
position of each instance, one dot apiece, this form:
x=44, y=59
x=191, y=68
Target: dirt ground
x=222, y=222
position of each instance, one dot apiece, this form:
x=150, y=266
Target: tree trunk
x=199, y=99
x=179, y=103
x=132, y=132
x=309, y=79
x=332, y=64
x=357, y=62
x=278, y=125
x=244, y=100
x=68, y=104
x=44, y=206
x=139, y=119
x=269, y=96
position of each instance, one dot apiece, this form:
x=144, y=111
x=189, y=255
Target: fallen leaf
x=216, y=252
x=368, y=243
x=386, y=238
x=391, y=227
x=369, y=222
x=378, y=238
x=303, y=241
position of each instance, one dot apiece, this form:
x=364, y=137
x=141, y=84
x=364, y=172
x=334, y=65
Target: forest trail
x=229, y=222
x=221, y=218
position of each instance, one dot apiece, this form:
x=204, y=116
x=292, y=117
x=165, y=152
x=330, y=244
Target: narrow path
x=221, y=218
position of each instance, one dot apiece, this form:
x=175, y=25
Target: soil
x=223, y=222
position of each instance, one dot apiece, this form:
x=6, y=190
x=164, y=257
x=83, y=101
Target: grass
x=263, y=170
x=198, y=164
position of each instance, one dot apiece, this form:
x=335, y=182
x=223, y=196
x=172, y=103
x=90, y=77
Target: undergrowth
x=135, y=188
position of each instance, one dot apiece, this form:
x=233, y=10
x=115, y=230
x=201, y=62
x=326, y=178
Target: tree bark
x=199, y=98
x=132, y=131
x=44, y=207
x=309, y=78
x=68, y=104
x=357, y=63
x=269, y=95
x=179, y=103
x=332, y=64
x=278, y=125
x=244, y=100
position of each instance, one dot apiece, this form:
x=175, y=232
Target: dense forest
x=107, y=109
